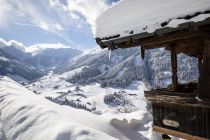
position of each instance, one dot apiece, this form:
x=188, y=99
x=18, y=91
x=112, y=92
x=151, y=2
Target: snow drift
x=24, y=116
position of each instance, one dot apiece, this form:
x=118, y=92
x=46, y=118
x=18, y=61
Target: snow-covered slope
x=24, y=115
x=16, y=69
x=138, y=16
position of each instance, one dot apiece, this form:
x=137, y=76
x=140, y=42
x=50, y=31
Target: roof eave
x=121, y=42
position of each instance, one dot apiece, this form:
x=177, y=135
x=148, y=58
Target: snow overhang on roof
x=137, y=19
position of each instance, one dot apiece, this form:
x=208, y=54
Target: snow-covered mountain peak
x=3, y=43
x=38, y=48
x=44, y=56
x=17, y=45
x=12, y=43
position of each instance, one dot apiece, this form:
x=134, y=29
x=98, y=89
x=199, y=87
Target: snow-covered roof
x=138, y=16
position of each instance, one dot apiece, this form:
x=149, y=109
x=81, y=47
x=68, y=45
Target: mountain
x=125, y=66
x=41, y=56
x=29, y=63
x=49, y=56
x=17, y=70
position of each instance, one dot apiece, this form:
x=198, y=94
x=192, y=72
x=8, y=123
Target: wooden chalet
x=177, y=111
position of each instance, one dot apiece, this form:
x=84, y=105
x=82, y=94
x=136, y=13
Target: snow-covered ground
x=56, y=88
x=25, y=115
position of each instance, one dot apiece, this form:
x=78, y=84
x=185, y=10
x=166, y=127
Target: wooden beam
x=170, y=38
x=192, y=46
x=174, y=67
x=176, y=133
x=142, y=52
x=204, y=78
x=182, y=37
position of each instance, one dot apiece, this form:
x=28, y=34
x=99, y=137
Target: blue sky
x=51, y=21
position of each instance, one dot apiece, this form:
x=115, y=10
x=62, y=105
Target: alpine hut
x=180, y=26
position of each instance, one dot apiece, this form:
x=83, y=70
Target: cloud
x=74, y=16
x=58, y=27
x=55, y=27
x=90, y=9
x=44, y=25
x=26, y=24
x=87, y=10
x=51, y=15
x=38, y=13
x=55, y=3
x=5, y=12
x=67, y=20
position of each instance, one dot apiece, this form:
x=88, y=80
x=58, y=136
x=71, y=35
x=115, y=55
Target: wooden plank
x=177, y=134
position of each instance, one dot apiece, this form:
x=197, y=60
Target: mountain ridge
x=126, y=66
x=37, y=60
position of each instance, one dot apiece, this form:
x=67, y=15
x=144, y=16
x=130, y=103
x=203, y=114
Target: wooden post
x=204, y=78
x=200, y=64
x=142, y=52
x=174, y=67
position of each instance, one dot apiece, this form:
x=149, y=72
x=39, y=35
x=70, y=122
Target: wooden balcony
x=180, y=114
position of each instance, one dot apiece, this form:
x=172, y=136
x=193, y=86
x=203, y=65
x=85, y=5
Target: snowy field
x=25, y=115
x=105, y=100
